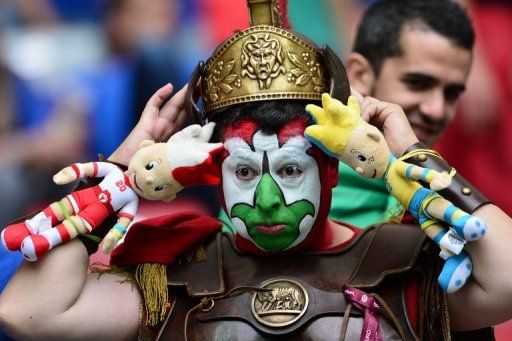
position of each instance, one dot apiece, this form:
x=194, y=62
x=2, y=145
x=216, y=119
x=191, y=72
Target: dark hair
x=270, y=116
x=378, y=35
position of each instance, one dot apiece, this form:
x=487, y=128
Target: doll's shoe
x=456, y=272
x=34, y=247
x=470, y=227
x=13, y=235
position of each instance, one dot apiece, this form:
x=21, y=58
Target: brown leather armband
x=461, y=193
x=92, y=240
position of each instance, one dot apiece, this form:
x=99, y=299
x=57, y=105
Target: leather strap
x=461, y=193
x=320, y=303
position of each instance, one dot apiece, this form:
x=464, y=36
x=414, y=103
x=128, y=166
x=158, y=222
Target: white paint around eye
x=236, y=191
x=307, y=186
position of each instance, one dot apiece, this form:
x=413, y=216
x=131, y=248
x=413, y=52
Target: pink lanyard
x=368, y=304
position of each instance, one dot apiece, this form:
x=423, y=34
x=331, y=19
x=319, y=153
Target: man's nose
x=149, y=180
x=434, y=106
x=268, y=194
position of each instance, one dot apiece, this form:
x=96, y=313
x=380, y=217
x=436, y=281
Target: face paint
x=271, y=216
x=272, y=193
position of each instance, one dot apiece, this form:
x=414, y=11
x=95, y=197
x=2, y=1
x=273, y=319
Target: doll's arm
x=82, y=170
x=116, y=233
x=437, y=181
x=126, y=215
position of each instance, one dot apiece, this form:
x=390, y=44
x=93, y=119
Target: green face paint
x=272, y=223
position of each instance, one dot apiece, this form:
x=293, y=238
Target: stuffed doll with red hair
x=157, y=171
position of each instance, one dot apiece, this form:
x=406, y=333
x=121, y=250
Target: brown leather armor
x=380, y=261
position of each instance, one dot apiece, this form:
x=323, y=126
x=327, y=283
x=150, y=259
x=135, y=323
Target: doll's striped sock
x=13, y=235
x=36, y=246
x=467, y=226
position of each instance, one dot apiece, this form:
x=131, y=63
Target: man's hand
x=390, y=119
x=65, y=176
x=440, y=181
x=330, y=119
x=155, y=123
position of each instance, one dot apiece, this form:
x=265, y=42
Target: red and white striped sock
x=36, y=246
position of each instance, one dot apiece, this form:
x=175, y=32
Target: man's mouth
x=374, y=174
x=271, y=229
x=135, y=182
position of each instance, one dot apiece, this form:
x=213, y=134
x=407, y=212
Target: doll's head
x=343, y=133
x=366, y=151
x=150, y=174
x=158, y=171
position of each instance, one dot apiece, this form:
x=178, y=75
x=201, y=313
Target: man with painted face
x=288, y=272
x=276, y=185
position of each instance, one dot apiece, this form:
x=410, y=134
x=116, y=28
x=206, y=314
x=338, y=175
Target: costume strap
x=461, y=193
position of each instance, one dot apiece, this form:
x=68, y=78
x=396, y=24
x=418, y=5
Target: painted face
x=150, y=175
x=426, y=81
x=271, y=189
x=367, y=152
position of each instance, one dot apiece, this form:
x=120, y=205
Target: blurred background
x=75, y=75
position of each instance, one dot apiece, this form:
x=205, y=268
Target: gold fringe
x=394, y=214
x=198, y=254
x=101, y=268
x=152, y=282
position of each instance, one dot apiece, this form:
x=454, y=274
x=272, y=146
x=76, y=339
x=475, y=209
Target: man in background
x=416, y=54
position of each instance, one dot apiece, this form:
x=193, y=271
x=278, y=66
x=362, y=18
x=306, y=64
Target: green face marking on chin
x=272, y=223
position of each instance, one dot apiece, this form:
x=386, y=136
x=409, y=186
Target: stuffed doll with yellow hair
x=157, y=171
x=342, y=133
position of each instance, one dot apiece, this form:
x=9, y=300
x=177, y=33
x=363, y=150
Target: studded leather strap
x=461, y=193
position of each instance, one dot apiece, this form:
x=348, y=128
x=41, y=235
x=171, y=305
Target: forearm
x=41, y=291
x=487, y=298
x=55, y=299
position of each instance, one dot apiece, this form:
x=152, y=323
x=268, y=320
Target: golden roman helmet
x=265, y=62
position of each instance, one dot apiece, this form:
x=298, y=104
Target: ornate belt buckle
x=283, y=305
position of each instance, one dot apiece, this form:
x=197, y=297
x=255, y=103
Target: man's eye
x=245, y=173
x=151, y=165
x=359, y=156
x=451, y=95
x=289, y=171
x=417, y=84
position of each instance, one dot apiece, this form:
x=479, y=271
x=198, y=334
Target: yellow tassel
x=152, y=282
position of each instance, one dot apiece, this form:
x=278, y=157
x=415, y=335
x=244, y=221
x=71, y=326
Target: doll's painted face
x=271, y=186
x=367, y=152
x=149, y=172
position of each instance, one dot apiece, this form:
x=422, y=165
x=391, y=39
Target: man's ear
x=360, y=73
x=146, y=143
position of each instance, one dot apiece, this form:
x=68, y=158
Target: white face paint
x=294, y=171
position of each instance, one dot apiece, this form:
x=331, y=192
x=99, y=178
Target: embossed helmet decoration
x=265, y=62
